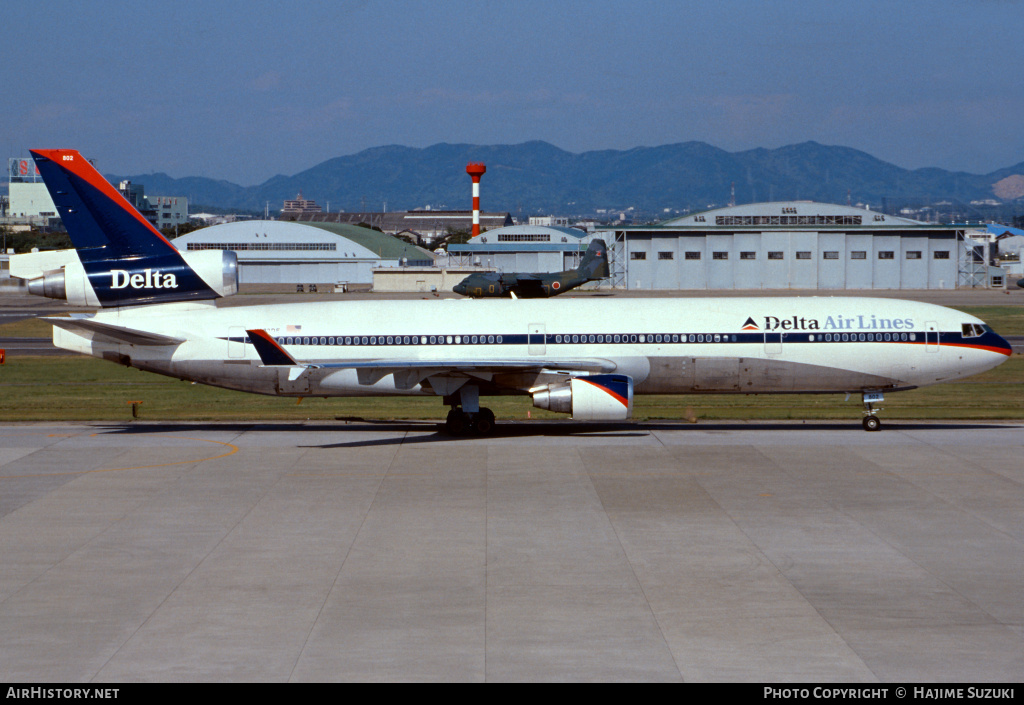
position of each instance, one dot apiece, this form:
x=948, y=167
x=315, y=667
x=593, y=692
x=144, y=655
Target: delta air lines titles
x=859, y=322
x=146, y=279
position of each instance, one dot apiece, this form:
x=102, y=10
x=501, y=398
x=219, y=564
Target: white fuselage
x=667, y=346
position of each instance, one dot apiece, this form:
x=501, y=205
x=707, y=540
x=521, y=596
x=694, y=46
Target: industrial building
x=299, y=207
x=29, y=201
x=779, y=245
x=279, y=252
x=523, y=248
x=791, y=245
x=164, y=212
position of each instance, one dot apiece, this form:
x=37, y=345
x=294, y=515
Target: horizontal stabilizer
x=111, y=333
x=272, y=354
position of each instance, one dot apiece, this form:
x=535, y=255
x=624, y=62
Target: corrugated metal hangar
x=523, y=248
x=788, y=245
x=280, y=252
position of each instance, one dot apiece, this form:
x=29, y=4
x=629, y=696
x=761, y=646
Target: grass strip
x=77, y=388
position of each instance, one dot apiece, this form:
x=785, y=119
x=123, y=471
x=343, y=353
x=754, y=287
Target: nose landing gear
x=871, y=421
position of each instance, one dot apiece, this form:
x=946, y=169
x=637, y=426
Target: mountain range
x=537, y=177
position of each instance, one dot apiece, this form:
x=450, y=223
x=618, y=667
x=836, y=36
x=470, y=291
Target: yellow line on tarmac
x=234, y=449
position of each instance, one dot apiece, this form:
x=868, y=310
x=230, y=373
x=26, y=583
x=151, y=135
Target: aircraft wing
x=111, y=333
x=529, y=286
x=412, y=371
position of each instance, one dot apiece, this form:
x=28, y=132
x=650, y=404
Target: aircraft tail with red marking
x=120, y=259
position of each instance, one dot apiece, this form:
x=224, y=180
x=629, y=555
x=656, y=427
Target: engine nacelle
x=218, y=268
x=589, y=398
x=69, y=283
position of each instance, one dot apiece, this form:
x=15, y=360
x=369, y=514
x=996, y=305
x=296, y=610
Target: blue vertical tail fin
x=124, y=259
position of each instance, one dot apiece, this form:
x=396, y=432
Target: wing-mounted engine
x=589, y=398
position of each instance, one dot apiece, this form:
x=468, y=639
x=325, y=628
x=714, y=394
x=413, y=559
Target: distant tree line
x=25, y=240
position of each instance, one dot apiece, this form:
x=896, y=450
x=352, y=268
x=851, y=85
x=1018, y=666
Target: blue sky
x=245, y=90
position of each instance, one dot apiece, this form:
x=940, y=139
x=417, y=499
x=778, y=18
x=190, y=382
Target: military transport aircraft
x=517, y=285
x=584, y=357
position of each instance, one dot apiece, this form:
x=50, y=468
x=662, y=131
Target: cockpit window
x=973, y=330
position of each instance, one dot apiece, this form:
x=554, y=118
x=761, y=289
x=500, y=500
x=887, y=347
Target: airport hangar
x=777, y=245
x=284, y=252
x=791, y=245
x=524, y=248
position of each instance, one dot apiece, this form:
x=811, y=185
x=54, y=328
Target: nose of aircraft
x=1000, y=344
x=459, y=288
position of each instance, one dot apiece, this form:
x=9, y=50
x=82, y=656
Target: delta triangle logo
x=750, y=325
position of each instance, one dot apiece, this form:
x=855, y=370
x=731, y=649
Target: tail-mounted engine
x=589, y=398
x=186, y=276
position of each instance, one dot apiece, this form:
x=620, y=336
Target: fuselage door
x=773, y=342
x=931, y=337
x=536, y=340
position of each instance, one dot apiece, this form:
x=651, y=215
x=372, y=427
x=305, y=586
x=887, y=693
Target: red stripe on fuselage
x=990, y=348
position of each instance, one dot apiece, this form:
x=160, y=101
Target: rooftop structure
x=299, y=206
x=428, y=225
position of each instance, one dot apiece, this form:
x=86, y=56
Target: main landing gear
x=464, y=423
x=871, y=421
x=466, y=417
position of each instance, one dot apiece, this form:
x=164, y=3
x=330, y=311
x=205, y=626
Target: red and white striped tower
x=476, y=171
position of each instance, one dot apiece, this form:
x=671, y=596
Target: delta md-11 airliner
x=586, y=357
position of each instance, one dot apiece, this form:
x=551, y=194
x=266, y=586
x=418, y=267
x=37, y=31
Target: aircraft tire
x=871, y=423
x=457, y=423
x=483, y=426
